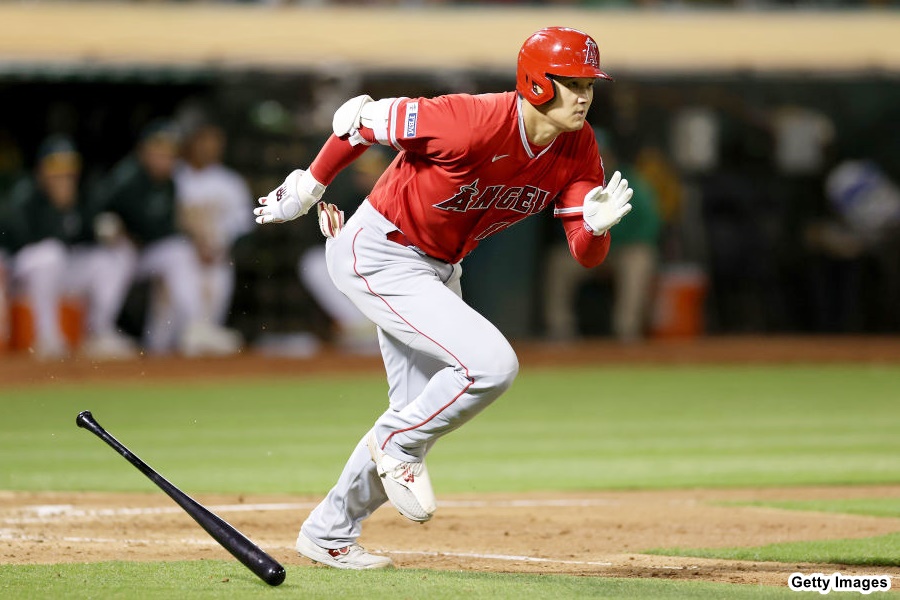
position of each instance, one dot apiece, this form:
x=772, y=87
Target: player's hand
x=109, y=228
x=605, y=206
x=331, y=219
x=293, y=198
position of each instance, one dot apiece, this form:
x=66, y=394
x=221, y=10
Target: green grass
x=600, y=428
x=873, y=507
x=881, y=551
x=218, y=579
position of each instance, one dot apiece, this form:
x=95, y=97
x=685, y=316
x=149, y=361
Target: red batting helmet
x=555, y=51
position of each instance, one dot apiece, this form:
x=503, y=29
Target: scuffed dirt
x=590, y=534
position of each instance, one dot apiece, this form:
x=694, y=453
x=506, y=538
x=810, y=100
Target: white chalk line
x=504, y=557
x=48, y=512
x=12, y=536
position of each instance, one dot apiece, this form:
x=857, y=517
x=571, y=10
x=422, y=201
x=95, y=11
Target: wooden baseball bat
x=252, y=556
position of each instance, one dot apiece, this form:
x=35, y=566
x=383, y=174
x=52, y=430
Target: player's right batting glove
x=293, y=198
x=604, y=206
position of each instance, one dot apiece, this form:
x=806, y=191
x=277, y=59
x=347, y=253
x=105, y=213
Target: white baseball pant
x=46, y=270
x=444, y=361
x=173, y=265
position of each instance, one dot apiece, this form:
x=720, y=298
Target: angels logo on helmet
x=591, y=53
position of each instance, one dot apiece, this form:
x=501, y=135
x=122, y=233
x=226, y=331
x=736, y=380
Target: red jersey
x=466, y=170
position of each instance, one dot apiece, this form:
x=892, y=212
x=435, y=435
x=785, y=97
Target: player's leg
x=411, y=298
x=171, y=263
x=161, y=322
x=337, y=520
x=407, y=296
x=359, y=491
x=38, y=271
x=102, y=275
x=635, y=270
x=217, y=289
x=562, y=278
x=174, y=262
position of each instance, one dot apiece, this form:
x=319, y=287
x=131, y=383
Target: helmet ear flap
x=545, y=92
x=537, y=88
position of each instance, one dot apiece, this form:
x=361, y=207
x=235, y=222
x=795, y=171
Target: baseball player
x=136, y=215
x=468, y=167
x=213, y=201
x=49, y=230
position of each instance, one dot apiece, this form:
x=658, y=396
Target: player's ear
x=538, y=90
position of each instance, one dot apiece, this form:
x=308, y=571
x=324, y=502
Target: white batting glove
x=293, y=198
x=605, y=206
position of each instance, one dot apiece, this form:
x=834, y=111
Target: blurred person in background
x=632, y=264
x=49, y=231
x=10, y=162
x=137, y=214
x=213, y=202
x=8, y=245
x=857, y=237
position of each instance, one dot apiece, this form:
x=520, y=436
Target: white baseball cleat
x=110, y=346
x=406, y=484
x=353, y=556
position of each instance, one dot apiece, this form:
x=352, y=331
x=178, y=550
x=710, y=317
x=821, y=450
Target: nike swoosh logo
x=498, y=157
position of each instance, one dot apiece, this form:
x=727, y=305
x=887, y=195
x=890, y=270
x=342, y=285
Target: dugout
x=108, y=69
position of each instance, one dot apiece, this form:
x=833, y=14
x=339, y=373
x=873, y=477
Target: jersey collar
x=524, y=137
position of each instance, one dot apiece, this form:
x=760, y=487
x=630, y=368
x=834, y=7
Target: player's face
x=158, y=158
x=58, y=176
x=61, y=188
x=569, y=107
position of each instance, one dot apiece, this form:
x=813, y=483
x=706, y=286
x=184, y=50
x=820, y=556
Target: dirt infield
x=591, y=534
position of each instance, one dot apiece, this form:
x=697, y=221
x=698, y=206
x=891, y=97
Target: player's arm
x=356, y=125
x=601, y=208
x=419, y=125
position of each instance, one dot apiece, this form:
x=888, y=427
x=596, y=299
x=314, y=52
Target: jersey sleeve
x=589, y=250
x=440, y=128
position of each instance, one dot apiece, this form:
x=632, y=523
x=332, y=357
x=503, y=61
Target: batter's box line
x=503, y=557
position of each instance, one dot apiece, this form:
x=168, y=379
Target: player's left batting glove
x=604, y=206
x=331, y=219
x=291, y=199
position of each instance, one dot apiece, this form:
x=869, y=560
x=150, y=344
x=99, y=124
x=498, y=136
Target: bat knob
x=83, y=417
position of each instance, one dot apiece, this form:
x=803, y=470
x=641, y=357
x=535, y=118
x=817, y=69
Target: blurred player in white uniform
x=212, y=201
x=468, y=167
